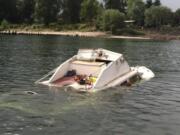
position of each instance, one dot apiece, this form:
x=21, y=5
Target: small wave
x=30, y=92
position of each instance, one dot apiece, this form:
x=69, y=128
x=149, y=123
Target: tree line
x=105, y=14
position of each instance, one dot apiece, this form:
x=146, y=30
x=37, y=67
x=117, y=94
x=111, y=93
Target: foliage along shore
x=122, y=18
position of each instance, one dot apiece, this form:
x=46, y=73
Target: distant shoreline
x=63, y=33
x=90, y=34
x=72, y=33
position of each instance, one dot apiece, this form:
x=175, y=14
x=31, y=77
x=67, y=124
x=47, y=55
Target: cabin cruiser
x=92, y=70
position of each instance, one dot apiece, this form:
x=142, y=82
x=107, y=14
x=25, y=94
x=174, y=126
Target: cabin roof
x=78, y=62
x=103, y=54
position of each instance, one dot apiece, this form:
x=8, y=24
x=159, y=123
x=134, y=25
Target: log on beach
x=61, y=33
x=13, y=32
x=8, y=32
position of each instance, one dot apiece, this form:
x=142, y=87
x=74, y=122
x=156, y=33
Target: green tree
x=71, y=11
x=116, y=4
x=157, y=3
x=4, y=24
x=89, y=10
x=149, y=3
x=177, y=17
x=135, y=10
x=99, y=18
x=46, y=11
x=25, y=10
x=8, y=10
x=112, y=20
x=156, y=16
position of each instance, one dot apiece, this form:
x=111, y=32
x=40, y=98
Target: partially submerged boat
x=93, y=70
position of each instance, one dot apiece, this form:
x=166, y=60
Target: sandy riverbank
x=148, y=36
x=71, y=33
x=130, y=37
x=63, y=33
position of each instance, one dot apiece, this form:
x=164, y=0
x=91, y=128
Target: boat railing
x=45, y=76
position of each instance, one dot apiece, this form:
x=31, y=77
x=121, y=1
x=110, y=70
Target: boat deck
x=64, y=81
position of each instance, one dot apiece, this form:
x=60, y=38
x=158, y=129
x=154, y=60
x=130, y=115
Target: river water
x=150, y=108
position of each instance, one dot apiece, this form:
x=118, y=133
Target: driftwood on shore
x=11, y=32
x=68, y=33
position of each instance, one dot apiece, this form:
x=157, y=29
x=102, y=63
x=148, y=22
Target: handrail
x=46, y=75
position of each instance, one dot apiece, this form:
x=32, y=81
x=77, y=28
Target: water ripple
x=151, y=107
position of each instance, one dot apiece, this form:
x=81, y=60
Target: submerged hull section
x=141, y=73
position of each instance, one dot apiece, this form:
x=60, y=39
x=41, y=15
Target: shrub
x=112, y=19
x=128, y=31
x=89, y=10
x=156, y=16
x=135, y=11
x=177, y=17
x=4, y=24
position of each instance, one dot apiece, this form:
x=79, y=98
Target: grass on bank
x=82, y=27
x=51, y=27
x=165, y=32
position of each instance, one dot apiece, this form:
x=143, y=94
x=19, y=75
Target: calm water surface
x=150, y=108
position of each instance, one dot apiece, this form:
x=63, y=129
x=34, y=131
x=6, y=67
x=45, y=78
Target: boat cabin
x=99, y=65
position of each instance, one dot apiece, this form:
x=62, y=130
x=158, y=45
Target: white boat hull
x=144, y=73
x=108, y=68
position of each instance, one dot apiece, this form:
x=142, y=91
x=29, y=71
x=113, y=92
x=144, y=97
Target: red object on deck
x=64, y=81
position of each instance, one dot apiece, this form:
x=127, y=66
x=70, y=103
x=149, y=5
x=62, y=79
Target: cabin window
x=105, y=61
